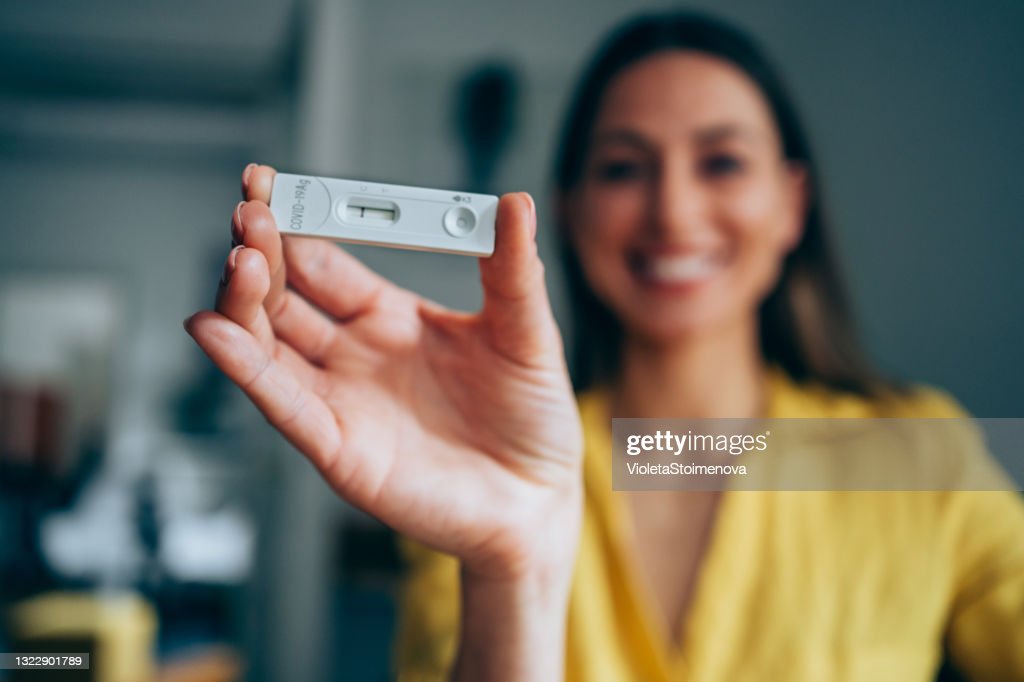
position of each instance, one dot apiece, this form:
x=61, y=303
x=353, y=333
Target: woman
x=695, y=245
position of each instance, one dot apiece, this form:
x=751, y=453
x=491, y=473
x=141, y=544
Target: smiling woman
x=702, y=133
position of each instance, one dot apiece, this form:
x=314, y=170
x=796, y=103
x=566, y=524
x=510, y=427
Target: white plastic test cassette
x=384, y=215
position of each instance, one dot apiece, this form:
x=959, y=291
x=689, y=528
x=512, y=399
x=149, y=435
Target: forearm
x=513, y=629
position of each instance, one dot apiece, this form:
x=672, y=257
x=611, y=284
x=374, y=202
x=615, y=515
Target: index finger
x=253, y=225
x=280, y=393
x=257, y=182
x=256, y=228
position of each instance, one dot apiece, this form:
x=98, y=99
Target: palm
x=425, y=404
x=400, y=403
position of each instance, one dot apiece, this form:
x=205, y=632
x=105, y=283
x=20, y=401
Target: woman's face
x=686, y=206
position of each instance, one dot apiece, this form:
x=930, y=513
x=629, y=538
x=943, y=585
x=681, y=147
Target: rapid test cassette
x=384, y=215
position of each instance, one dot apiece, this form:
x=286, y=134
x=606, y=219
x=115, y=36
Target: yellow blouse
x=794, y=585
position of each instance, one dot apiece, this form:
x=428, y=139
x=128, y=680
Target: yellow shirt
x=809, y=586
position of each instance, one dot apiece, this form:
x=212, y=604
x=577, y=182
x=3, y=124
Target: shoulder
x=819, y=400
x=922, y=401
x=921, y=437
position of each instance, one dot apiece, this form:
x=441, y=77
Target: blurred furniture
x=118, y=629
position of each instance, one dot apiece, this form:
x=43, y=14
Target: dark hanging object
x=485, y=118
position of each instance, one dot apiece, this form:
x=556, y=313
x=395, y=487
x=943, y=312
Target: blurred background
x=147, y=512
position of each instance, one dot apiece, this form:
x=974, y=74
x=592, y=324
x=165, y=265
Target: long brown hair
x=806, y=323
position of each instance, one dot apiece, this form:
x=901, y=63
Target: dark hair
x=806, y=323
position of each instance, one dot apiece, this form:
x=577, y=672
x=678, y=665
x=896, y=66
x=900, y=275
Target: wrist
x=514, y=615
x=537, y=549
x=514, y=628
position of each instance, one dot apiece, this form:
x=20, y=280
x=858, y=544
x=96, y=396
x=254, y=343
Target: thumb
x=517, y=313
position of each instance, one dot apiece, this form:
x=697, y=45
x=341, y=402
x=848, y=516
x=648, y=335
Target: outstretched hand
x=459, y=430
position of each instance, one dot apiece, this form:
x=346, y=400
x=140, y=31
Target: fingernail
x=533, y=214
x=229, y=265
x=237, y=235
x=247, y=172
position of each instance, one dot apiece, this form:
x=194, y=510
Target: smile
x=678, y=269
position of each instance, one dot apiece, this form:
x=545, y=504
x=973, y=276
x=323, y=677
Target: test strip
x=384, y=215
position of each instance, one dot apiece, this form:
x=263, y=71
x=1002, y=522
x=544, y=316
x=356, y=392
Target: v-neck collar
x=783, y=399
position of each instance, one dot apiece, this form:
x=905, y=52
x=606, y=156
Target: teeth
x=681, y=268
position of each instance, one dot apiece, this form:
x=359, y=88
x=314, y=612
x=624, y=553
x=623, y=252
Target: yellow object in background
x=122, y=625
